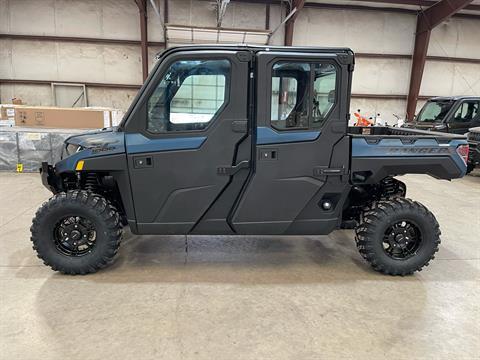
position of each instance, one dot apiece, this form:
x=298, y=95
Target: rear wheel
x=470, y=167
x=77, y=232
x=398, y=236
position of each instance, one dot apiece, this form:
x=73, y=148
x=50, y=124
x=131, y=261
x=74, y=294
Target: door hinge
x=327, y=171
x=232, y=170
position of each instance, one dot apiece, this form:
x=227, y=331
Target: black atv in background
x=473, y=138
x=448, y=114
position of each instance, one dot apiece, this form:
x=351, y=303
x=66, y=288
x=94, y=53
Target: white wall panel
x=277, y=14
x=381, y=76
x=154, y=24
x=62, y=61
x=448, y=78
x=457, y=37
x=245, y=16
x=363, y=31
x=197, y=13
x=30, y=94
x=31, y=17
x=120, y=20
x=114, y=98
x=123, y=64
x=438, y=79
x=6, y=70
x=78, y=18
x=78, y=63
x=4, y=16
x=115, y=19
x=152, y=53
x=466, y=80
x=202, y=13
x=33, y=60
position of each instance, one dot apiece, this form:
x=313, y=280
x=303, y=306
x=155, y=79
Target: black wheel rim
x=74, y=236
x=402, y=240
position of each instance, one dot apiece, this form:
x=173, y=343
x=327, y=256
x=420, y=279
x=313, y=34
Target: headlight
x=70, y=149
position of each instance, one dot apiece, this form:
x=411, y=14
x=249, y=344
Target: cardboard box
x=17, y=101
x=7, y=115
x=66, y=118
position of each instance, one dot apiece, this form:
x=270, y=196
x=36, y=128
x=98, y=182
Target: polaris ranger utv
x=454, y=114
x=244, y=140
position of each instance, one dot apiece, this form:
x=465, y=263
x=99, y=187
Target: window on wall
x=303, y=94
x=189, y=96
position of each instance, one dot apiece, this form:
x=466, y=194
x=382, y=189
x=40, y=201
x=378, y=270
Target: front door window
x=189, y=96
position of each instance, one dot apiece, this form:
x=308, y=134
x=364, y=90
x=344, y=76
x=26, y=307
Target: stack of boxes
x=58, y=118
x=32, y=134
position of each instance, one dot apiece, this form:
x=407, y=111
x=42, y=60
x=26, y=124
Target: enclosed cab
x=448, y=114
x=225, y=140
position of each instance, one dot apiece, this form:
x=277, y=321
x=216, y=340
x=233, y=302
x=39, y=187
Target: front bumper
x=49, y=179
x=474, y=153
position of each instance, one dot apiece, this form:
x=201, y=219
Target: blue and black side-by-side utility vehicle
x=244, y=140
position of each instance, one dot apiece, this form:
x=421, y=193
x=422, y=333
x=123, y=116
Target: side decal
x=266, y=135
x=137, y=143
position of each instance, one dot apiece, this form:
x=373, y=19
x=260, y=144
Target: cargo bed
x=381, y=151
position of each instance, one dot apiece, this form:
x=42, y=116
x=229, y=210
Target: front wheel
x=77, y=232
x=398, y=236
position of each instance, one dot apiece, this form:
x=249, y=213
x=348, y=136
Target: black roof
x=257, y=48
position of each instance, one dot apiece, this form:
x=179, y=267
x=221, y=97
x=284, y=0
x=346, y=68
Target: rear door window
x=290, y=95
x=303, y=94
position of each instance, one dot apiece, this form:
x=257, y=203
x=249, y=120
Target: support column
x=142, y=9
x=426, y=21
x=297, y=5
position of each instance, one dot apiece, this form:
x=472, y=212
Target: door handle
x=325, y=170
x=140, y=162
x=232, y=170
x=268, y=154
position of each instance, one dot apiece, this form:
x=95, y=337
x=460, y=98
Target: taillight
x=462, y=150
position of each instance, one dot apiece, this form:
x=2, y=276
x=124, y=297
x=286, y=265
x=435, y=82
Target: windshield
x=434, y=110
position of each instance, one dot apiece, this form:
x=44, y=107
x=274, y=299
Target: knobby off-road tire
x=66, y=219
x=398, y=236
x=470, y=168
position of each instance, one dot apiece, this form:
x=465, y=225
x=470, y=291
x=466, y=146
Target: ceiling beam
x=426, y=21
x=296, y=7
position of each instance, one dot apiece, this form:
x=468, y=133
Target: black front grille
x=474, y=136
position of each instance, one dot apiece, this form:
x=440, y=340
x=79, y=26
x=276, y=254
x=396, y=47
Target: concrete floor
x=243, y=297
